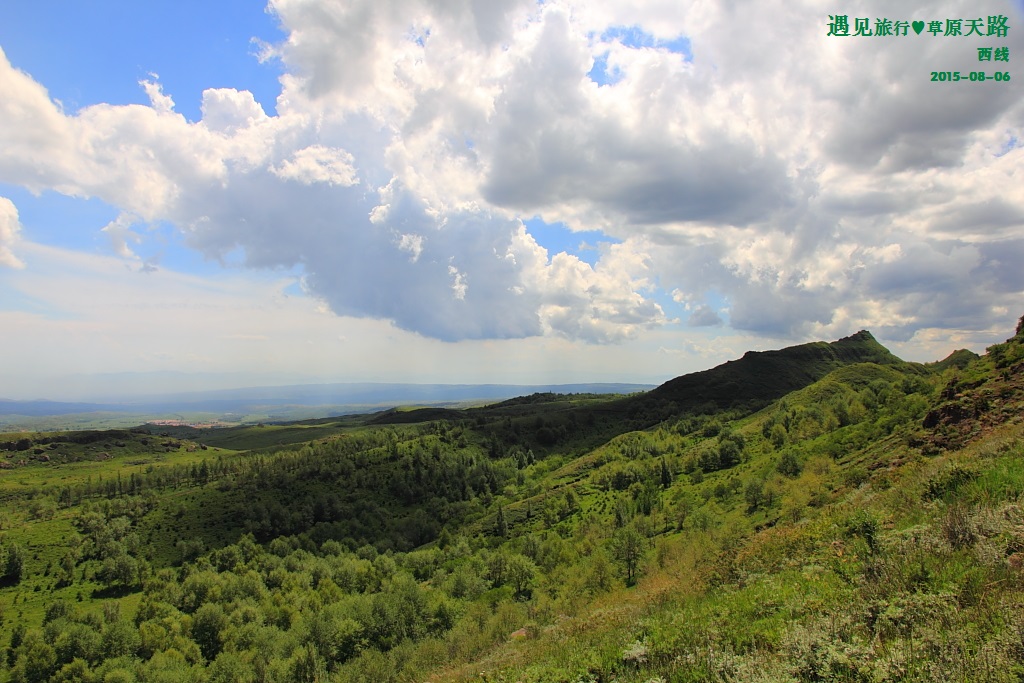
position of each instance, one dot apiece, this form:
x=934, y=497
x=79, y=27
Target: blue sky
x=284, y=191
x=92, y=52
x=556, y=237
x=636, y=38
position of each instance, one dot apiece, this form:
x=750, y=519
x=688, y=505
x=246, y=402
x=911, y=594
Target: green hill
x=825, y=512
x=960, y=358
x=762, y=376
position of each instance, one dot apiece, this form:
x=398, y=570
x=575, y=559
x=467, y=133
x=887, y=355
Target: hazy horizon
x=127, y=386
x=130, y=387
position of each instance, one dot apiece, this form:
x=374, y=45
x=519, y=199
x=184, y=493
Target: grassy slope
x=911, y=573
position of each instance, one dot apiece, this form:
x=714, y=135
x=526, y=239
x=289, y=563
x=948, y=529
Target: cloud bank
x=774, y=179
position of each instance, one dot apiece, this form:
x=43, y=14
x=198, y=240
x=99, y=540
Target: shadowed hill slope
x=550, y=422
x=754, y=380
x=761, y=376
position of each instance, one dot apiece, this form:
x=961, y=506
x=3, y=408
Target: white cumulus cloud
x=9, y=229
x=318, y=164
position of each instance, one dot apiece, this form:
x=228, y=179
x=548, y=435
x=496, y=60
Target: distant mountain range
x=346, y=397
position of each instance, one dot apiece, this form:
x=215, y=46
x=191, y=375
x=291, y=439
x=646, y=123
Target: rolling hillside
x=825, y=512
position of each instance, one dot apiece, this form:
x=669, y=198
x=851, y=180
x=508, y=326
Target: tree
x=78, y=641
x=308, y=666
x=467, y=580
x=628, y=547
x=789, y=464
x=519, y=573
x=229, y=667
x=66, y=571
x=444, y=539
x=398, y=612
x=730, y=452
x=572, y=502
x=208, y=623
x=120, y=639
x=623, y=512
x=755, y=495
x=335, y=635
x=35, y=660
x=17, y=637
x=497, y=567
x=119, y=571
x=646, y=497
x=600, y=576
x=58, y=609
x=13, y=564
x=777, y=435
x=501, y=525
x=666, y=475
x=75, y=671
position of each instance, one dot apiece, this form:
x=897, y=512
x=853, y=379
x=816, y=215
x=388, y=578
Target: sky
x=201, y=195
